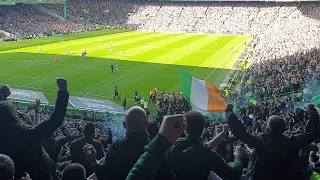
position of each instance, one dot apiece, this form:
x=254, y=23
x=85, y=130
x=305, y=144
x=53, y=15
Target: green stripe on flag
x=185, y=83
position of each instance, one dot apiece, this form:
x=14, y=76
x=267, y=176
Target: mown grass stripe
x=171, y=57
x=155, y=70
x=53, y=39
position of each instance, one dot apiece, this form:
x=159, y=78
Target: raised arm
x=214, y=143
x=4, y=92
x=46, y=128
x=147, y=165
x=100, y=151
x=311, y=134
x=238, y=130
x=221, y=168
x=36, y=119
x=61, y=142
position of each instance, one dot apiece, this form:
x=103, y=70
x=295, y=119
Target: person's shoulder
x=20, y=127
x=17, y=130
x=121, y=140
x=117, y=144
x=182, y=139
x=96, y=143
x=76, y=141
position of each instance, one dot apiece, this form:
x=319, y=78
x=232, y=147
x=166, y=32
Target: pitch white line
x=16, y=75
x=43, y=79
x=53, y=90
x=68, y=63
x=109, y=83
x=40, y=62
x=224, y=60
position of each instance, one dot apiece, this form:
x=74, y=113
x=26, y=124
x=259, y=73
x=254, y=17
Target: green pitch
x=151, y=60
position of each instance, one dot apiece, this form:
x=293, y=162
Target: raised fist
x=229, y=107
x=239, y=151
x=37, y=105
x=91, y=154
x=62, y=83
x=225, y=128
x=5, y=90
x=172, y=127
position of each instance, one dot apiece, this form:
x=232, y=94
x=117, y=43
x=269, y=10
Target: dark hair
x=63, y=165
x=89, y=129
x=74, y=171
x=6, y=167
x=153, y=130
x=8, y=114
x=196, y=122
x=277, y=125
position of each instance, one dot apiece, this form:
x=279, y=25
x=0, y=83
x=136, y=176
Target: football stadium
x=159, y=89
x=150, y=60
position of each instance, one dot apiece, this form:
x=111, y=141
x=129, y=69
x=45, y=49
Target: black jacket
x=123, y=154
x=22, y=143
x=53, y=147
x=275, y=156
x=78, y=156
x=192, y=160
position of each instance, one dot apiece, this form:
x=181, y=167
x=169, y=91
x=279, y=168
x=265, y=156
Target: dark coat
x=78, y=156
x=190, y=159
x=123, y=154
x=275, y=156
x=22, y=143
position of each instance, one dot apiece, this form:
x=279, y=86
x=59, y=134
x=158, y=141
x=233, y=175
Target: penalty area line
x=17, y=75
x=108, y=83
x=43, y=79
x=224, y=59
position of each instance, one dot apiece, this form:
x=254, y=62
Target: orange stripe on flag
x=215, y=101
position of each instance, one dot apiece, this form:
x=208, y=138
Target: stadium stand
x=273, y=127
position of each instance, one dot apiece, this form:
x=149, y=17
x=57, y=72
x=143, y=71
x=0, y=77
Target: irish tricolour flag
x=201, y=95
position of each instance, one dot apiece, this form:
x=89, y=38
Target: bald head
x=74, y=171
x=7, y=167
x=136, y=120
x=276, y=125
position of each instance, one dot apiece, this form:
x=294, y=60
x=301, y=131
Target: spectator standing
x=148, y=163
x=77, y=154
x=22, y=143
x=275, y=156
x=116, y=93
x=124, y=103
x=53, y=145
x=125, y=152
x=110, y=136
x=190, y=159
x=112, y=67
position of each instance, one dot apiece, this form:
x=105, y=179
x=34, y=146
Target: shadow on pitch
x=152, y=71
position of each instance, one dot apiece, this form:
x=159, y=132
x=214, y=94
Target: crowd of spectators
x=57, y=148
x=283, y=32
x=277, y=76
x=25, y=20
x=278, y=138
x=227, y=17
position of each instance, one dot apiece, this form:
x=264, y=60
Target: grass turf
x=151, y=60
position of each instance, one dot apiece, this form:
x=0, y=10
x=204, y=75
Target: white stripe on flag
x=199, y=94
